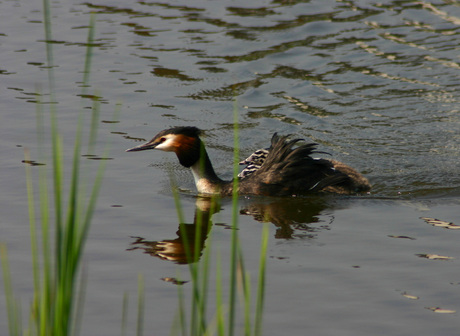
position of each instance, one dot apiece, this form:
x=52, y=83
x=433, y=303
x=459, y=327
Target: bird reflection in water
x=188, y=246
x=291, y=216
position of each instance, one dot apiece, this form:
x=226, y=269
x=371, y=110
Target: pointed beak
x=145, y=146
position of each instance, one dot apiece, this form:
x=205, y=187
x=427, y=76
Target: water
x=374, y=83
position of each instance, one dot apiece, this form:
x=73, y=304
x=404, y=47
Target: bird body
x=285, y=170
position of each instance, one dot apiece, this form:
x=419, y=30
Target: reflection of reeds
x=57, y=275
x=224, y=320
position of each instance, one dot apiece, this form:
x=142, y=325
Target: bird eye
x=162, y=140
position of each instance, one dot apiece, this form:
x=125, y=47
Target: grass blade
x=13, y=308
x=140, y=306
x=261, y=284
x=234, y=241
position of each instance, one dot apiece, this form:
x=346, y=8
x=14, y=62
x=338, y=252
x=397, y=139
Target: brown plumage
x=286, y=171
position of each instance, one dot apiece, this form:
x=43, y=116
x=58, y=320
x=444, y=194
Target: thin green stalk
x=56, y=139
x=198, y=316
x=69, y=251
x=234, y=240
x=246, y=282
x=91, y=204
x=243, y=280
x=194, y=322
x=92, y=134
x=182, y=318
x=219, y=303
x=176, y=324
x=176, y=197
x=195, y=303
x=94, y=124
x=199, y=272
x=57, y=185
x=32, y=224
x=12, y=305
x=43, y=292
x=89, y=50
x=140, y=306
x=204, y=282
x=54, y=309
x=77, y=321
x=124, y=314
x=78, y=217
x=97, y=183
x=261, y=284
x=86, y=74
x=48, y=38
x=190, y=261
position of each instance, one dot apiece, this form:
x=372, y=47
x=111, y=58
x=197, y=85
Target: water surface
x=374, y=83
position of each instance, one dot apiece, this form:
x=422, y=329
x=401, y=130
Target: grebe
x=285, y=171
x=253, y=162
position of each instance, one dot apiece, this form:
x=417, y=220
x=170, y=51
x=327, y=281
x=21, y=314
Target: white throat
x=203, y=184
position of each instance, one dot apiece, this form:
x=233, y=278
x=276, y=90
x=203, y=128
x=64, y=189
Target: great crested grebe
x=253, y=162
x=284, y=171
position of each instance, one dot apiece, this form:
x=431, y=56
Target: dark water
x=375, y=83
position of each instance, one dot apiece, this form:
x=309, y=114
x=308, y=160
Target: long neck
x=206, y=180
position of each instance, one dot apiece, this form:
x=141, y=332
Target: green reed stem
x=89, y=51
x=140, y=306
x=261, y=283
x=234, y=240
x=56, y=305
x=204, y=273
x=43, y=292
x=219, y=302
x=124, y=314
x=177, y=203
x=199, y=272
x=59, y=285
x=182, y=318
x=12, y=305
x=246, y=283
